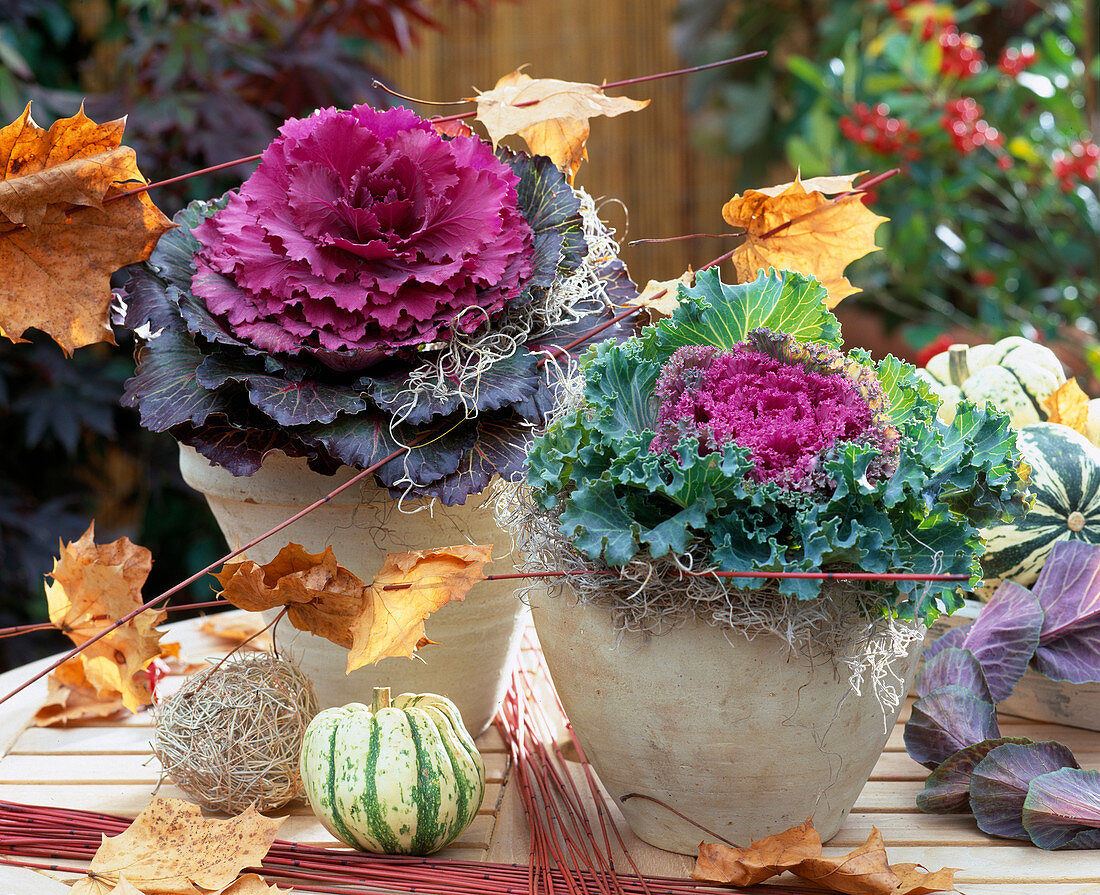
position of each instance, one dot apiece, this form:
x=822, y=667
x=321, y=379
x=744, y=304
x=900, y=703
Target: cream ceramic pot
x=739, y=735
x=476, y=639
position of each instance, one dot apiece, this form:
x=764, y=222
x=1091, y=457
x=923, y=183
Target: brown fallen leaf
x=863, y=871
x=915, y=880
x=251, y=884
x=793, y=226
x=1068, y=405
x=395, y=626
x=550, y=115
x=171, y=849
x=762, y=860
x=245, y=631
x=326, y=599
x=66, y=702
x=660, y=298
x=59, y=241
x=93, y=586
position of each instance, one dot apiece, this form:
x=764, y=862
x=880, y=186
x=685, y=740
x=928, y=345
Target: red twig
x=557, y=351
x=144, y=188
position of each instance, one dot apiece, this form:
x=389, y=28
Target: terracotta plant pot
x=741, y=736
x=476, y=639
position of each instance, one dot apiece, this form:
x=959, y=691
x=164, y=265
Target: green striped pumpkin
x=1065, y=479
x=402, y=778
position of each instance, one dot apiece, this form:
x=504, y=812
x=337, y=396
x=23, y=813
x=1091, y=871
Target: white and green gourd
x=1014, y=374
x=1065, y=480
x=393, y=778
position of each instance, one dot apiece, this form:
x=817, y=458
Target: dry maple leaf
x=794, y=226
x=550, y=115
x=171, y=849
x=762, y=860
x=395, y=625
x=1069, y=405
x=915, y=880
x=59, y=241
x=863, y=871
x=326, y=599
x=246, y=632
x=93, y=586
x=659, y=299
x=65, y=702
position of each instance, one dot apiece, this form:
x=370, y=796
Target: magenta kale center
x=363, y=232
x=786, y=414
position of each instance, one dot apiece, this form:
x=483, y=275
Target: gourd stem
x=958, y=371
x=381, y=699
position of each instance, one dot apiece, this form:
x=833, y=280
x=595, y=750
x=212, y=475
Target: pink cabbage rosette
x=363, y=232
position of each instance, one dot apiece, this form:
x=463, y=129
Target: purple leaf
x=1062, y=809
x=999, y=784
x=945, y=721
x=1004, y=637
x=953, y=666
x=952, y=639
x=1069, y=593
x=947, y=788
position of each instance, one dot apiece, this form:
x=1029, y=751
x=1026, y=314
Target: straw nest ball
x=230, y=737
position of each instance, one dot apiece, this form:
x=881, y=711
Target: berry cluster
x=961, y=56
x=874, y=128
x=962, y=119
x=1013, y=60
x=1081, y=163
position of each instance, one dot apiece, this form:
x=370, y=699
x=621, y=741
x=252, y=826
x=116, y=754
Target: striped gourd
x=402, y=778
x=1065, y=479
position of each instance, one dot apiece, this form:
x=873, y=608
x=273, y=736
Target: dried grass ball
x=230, y=737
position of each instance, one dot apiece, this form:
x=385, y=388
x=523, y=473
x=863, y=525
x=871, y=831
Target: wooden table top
x=108, y=766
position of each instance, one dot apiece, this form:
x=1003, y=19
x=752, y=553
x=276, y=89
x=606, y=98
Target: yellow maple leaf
x=1068, y=405
x=324, y=598
x=794, y=226
x=550, y=115
x=171, y=848
x=67, y=700
x=94, y=586
x=395, y=624
x=59, y=240
x=659, y=299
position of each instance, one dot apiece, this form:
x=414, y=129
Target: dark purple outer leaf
x=165, y=387
x=952, y=639
x=999, y=784
x=947, y=788
x=953, y=666
x=1062, y=809
x=1004, y=636
x=241, y=451
x=509, y=380
x=501, y=449
x=1069, y=593
x=147, y=303
x=430, y=460
x=945, y=721
x=359, y=441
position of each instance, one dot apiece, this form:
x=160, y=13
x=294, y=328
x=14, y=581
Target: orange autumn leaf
x=59, y=241
x=247, y=632
x=762, y=860
x=326, y=599
x=915, y=880
x=550, y=115
x=794, y=226
x=94, y=586
x=863, y=871
x=1069, y=405
x=66, y=702
x=171, y=849
x=395, y=626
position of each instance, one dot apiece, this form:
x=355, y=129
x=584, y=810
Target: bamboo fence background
x=645, y=159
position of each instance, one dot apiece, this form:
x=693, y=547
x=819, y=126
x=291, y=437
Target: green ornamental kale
x=738, y=430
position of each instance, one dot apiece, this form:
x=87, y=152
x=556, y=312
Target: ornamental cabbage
x=364, y=231
x=736, y=436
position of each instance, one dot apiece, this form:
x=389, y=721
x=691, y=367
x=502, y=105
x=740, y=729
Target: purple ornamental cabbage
x=362, y=232
x=788, y=414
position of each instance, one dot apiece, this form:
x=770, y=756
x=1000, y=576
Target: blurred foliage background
x=989, y=109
